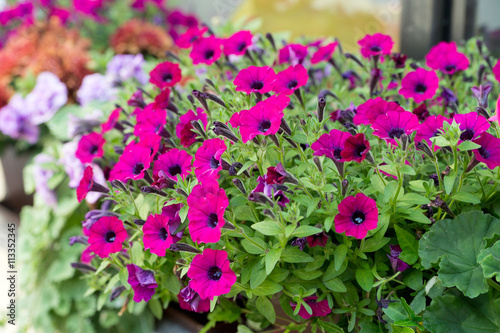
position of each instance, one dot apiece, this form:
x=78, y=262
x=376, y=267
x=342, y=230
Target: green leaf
x=294, y=255
x=330, y=327
x=155, y=307
x=253, y=248
x=329, y=223
x=468, y=145
x=364, y=277
x=305, y=275
x=453, y=312
x=401, y=329
x=414, y=215
x=300, y=138
x=372, y=244
x=306, y=230
x=440, y=141
x=267, y=288
x=336, y=285
x=339, y=256
x=409, y=245
x=407, y=170
x=258, y=275
x=245, y=167
x=102, y=267
x=414, y=199
x=137, y=254
x=265, y=308
x=312, y=205
x=449, y=181
x=490, y=261
x=455, y=244
x=243, y=329
x=272, y=257
x=390, y=190
x=268, y=228
x=466, y=197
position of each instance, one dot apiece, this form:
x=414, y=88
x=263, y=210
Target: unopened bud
x=422, y=145
x=269, y=213
x=153, y=190
x=182, y=247
x=321, y=108
x=181, y=192
x=260, y=198
x=83, y=267
x=118, y=184
x=345, y=186
x=318, y=163
x=404, y=141
x=116, y=292
x=271, y=40
x=239, y=184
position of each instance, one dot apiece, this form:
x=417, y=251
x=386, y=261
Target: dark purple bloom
x=317, y=239
x=190, y=300
x=142, y=282
x=319, y=309
x=397, y=264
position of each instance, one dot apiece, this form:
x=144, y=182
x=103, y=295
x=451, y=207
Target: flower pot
x=12, y=193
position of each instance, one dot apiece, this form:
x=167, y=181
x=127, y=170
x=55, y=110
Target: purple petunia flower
x=166, y=74
x=96, y=88
x=262, y=119
x=355, y=148
x=430, y=128
x=112, y=121
x=124, y=67
x=90, y=147
x=15, y=121
x=293, y=54
x=445, y=57
x=369, y=111
x=106, y=236
x=394, y=124
x=375, y=45
x=331, y=144
x=186, y=40
x=238, y=43
x=132, y=164
x=300, y=242
x=471, y=124
x=206, y=50
x=174, y=163
x=207, y=204
x=319, y=239
x=207, y=160
x=48, y=96
x=157, y=237
x=150, y=121
x=255, y=79
x=319, y=309
x=357, y=214
x=397, y=264
x=324, y=53
x=190, y=300
x=210, y=274
x=290, y=79
x=142, y=282
x=489, y=152
x=42, y=176
x=184, y=127
x=174, y=220
x=419, y=85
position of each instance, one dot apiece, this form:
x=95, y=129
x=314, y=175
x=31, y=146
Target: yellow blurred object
x=347, y=20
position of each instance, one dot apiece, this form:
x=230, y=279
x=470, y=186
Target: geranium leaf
x=490, y=261
x=456, y=244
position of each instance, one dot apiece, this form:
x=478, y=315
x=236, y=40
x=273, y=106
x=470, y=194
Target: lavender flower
x=15, y=121
x=96, y=87
x=124, y=67
x=42, y=177
x=48, y=96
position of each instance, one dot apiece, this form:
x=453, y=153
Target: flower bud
x=345, y=185
x=285, y=127
x=118, y=184
x=356, y=60
x=321, y=108
x=422, y=145
x=269, y=213
x=216, y=99
x=181, y=192
x=198, y=127
x=116, y=292
x=83, y=267
x=182, y=247
x=139, y=222
x=404, y=141
x=260, y=198
x=153, y=190
x=270, y=38
x=237, y=182
x=318, y=163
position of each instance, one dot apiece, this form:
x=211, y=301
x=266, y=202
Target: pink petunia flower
x=186, y=40
x=369, y=111
x=262, y=119
x=150, y=121
x=206, y=50
x=184, y=128
x=166, y=74
x=255, y=79
x=238, y=43
x=90, y=147
x=174, y=163
x=293, y=54
x=207, y=159
x=376, y=45
x=445, y=57
x=394, y=124
x=355, y=148
x=142, y=282
x=112, y=121
x=87, y=184
x=324, y=53
x=471, y=124
x=319, y=309
x=496, y=70
x=106, y=236
x=430, y=128
x=132, y=164
x=174, y=220
x=419, y=85
x=190, y=300
x=207, y=204
x=489, y=152
x=331, y=145
x=210, y=274
x=357, y=214
x=162, y=100
x=157, y=237
x=290, y=79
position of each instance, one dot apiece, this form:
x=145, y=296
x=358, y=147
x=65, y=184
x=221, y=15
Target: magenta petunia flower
x=207, y=204
x=166, y=74
x=207, y=159
x=150, y=121
x=206, y=50
x=262, y=119
x=106, y=236
x=430, y=128
x=90, y=147
x=186, y=40
x=357, y=214
x=190, y=300
x=355, y=148
x=162, y=100
x=112, y=121
x=151, y=141
x=184, y=128
x=238, y=43
x=87, y=185
x=445, y=57
x=369, y=111
x=496, y=70
x=397, y=264
x=290, y=79
x=471, y=124
x=317, y=239
x=142, y=282
x=132, y=164
x=175, y=163
x=324, y=53
x=376, y=44
x=419, y=85
x=394, y=124
x=319, y=309
x=210, y=274
x=174, y=220
x=293, y=54
x=489, y=152
x=255, y=79
x=331, y=144
x=157, y=237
